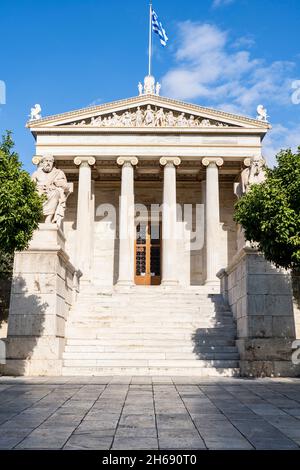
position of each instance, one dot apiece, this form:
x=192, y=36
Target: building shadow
x=215, y=343
x=26, y=326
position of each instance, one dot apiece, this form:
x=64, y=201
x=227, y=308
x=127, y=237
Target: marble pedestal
x=43, y=289
x=261, y=299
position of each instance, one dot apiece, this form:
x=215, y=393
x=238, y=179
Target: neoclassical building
x=132, y=273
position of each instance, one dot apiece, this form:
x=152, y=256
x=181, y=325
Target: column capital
x=36, y=159
x=131, y=160
x=173, y=160
x=89, y=160
x=215, y=160
x=247, y=161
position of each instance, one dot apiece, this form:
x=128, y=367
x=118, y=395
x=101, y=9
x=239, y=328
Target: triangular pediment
x=147, y=111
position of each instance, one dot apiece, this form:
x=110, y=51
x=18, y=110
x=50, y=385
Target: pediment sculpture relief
x=52, y=183
x=149, y=117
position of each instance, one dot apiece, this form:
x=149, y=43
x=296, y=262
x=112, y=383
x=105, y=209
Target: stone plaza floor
x=149, y=413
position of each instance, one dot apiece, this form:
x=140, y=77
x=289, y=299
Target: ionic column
x=169, y=222
x=84, y=216
x=126, y=222
x=212, y=218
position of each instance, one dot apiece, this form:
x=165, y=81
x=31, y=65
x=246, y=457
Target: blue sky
x=225, y=54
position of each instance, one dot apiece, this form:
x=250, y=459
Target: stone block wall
x=44, y=287
x=261, y=300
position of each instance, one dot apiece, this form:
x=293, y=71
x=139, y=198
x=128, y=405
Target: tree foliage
x=20, y=204
x=270, y=212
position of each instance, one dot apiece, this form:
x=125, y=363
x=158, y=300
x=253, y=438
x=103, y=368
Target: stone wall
x=44, y=287
x=261, y=300
x=5, y=287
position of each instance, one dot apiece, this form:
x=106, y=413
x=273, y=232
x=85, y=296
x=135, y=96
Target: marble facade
x=159, y=153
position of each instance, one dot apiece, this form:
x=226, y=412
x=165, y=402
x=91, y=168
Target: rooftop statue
x=35, y=112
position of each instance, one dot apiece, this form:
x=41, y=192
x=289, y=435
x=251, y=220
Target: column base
x=123, y=283
x=212, y=282
x=169, y=282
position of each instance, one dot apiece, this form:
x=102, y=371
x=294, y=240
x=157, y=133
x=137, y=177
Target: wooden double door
x=148, y=253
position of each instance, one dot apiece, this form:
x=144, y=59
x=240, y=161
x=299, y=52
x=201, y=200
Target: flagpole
x=150, y=37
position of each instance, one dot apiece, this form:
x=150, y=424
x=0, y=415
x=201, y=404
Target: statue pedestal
x=261, y=299
x=43, y=289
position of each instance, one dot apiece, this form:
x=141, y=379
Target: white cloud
x=280, y=137
x=208, y=68
x=220, y=3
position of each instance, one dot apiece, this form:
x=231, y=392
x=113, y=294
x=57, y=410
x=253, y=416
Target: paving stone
x=134, y=443
x=9, y=442
x=143, y=421
x=85, y=413
x=169, y=421
x=227, y=443
x=138, y=431
x=179, y=439
x=274, y=444
x=88, y=442
x=46, y=438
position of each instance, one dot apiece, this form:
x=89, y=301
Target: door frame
x=148, y=279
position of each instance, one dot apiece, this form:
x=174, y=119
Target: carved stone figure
x=115, y=120
x=126, y=119
x=170, y=119
x=192, y=122
x=157, y=88
x=160, y=119
x=139, y=117
x=140, y=88
x=52, y=183
x=149, y=116
x=182, y=120
x=252, y=174
x=205, y=123
x=35, y=113
x=262, y=114
x=149, y=85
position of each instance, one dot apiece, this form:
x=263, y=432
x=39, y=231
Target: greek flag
x=157, y=27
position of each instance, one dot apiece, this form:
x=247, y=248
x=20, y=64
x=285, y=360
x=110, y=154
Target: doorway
x=148, y=253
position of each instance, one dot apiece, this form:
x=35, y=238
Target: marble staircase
x=150, y=331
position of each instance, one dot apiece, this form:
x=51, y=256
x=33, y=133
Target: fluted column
x=126, y=222
x=169, y=222
x=84, y=216
x=212, y=218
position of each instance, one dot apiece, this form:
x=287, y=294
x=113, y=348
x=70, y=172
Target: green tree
x=270, y=212
x=20, y=204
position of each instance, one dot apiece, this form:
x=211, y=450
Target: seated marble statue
x=52, y=183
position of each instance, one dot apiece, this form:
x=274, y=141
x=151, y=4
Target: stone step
x=150, y=311
x=169, y=316
x=155, y=342
x=151, y=371
x=83, y=348
x=139, y=355
x=136, y=334
x=178, y=363
x=144, y=326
